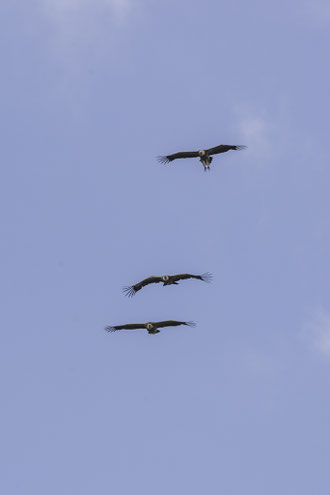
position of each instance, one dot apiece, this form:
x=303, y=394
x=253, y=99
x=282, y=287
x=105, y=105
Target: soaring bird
x=151, y=326
x=166, y=279
x=204, y=155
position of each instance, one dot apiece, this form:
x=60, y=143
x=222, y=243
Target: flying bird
x=204, y=155
x=151, y=326
x=166, y=279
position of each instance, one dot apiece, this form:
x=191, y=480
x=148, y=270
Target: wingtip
x=110, y=329
x=190, y=323
x=207, y=277
x=241, y=147
x=163, y=159
x=129, y=291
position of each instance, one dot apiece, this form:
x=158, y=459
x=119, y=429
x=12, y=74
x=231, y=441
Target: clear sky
x=91, y=93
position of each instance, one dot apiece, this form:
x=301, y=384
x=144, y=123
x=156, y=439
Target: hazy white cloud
x=318, y=329
x=254, y=129
x=82, y=29
x=267, y=133
x=315, y=12
x=81, y=19
x=62, y=7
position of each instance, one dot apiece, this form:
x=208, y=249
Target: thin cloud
x=62, y=7
x=82, y=29
x=319, y=330
x=74, y=19
x=254, y=130
x=315, y=12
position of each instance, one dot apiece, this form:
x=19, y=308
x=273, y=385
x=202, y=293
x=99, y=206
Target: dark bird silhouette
x=166, y=279
x=151, y=326
x=204, y=155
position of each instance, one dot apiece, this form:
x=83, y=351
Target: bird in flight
x=151, y=326
x=204, y=155
x=166, y=279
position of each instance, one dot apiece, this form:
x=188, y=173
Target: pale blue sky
x=92, y=92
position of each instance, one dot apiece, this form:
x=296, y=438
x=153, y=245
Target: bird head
x=165, y=278
x=149, y=326
x=201, y=152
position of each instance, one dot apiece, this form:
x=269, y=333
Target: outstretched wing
x=222, y=148
x=174, y=323
x=183, y=154
x=129, y=326
x=206, y=277
x=133, y=289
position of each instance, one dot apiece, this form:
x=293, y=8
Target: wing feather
x=182, y=276
x=174, y=323
x=222, y=148
x=129, y=326
x=133, y=289
x=182, y=154
x=206, y=277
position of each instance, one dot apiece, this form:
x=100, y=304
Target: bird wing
x=206, y=277
x=129, y=326
x=182, y=154
x=133, y=289
x=222, y=148
x=173, y=323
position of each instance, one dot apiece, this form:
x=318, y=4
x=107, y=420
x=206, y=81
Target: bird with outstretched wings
x=166, y=279
x=151, y=326
x=204, y=155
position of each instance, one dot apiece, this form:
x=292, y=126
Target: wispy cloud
x=83, y=19
x=318, y=328
x=266, y=131
x=63, y=7
x=79, y=29
x=315, y=12
x=254, y=129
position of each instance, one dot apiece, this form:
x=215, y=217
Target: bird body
x=150, y=326
x=204, y=155
x=166, y=279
